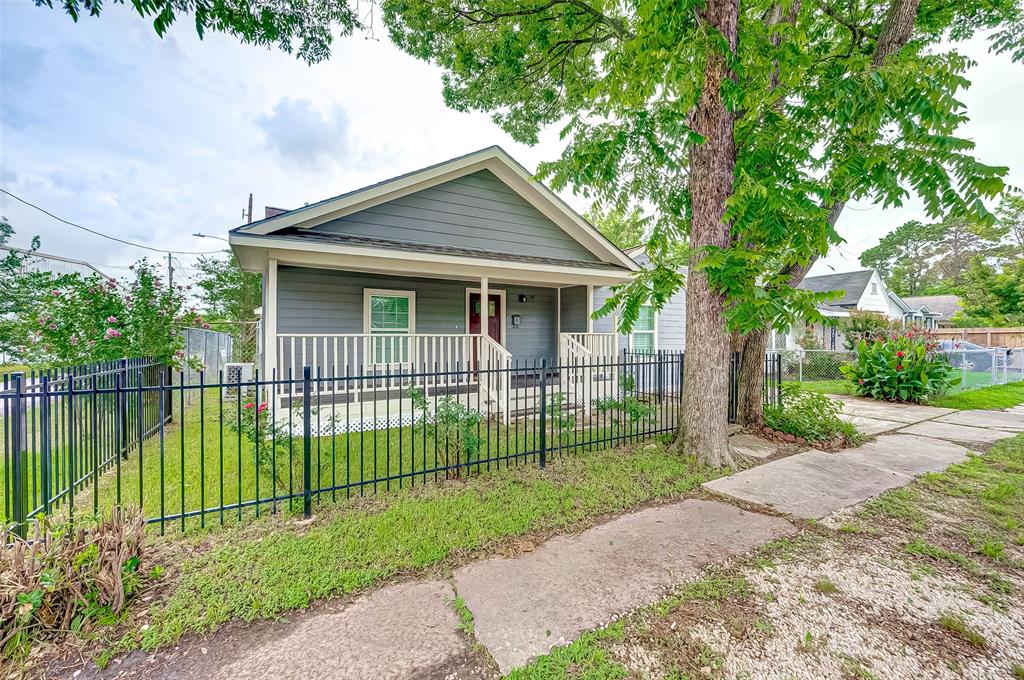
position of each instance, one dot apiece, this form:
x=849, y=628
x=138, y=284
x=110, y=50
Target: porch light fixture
x=522, y=298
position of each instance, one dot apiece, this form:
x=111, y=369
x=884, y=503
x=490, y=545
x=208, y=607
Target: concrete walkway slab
x=881, y=410
x=523, y=607
x=809, y=485
x=908, y=454
x=957, y=433
x=999, y=420
x=400, y=631
x=871, y=425
x=754, y=447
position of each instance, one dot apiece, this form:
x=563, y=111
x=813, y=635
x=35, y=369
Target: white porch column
x=558, y=311
x=590, y=308
x=270, y=322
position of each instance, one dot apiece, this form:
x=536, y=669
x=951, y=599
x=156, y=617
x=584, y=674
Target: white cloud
x=305, y=136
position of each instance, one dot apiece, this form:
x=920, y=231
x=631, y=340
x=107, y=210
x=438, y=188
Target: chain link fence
x=244, y=338
x=982, y=367
x=814, y=365
x=986, y=367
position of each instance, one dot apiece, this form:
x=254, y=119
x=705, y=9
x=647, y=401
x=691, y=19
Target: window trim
x=653, y=331
x=389, y=292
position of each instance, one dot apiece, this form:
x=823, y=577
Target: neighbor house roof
x=851, y=283
x=946, y=305
x=493, y=158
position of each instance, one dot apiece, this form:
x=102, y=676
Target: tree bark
x=896, y=33
x=703, y=424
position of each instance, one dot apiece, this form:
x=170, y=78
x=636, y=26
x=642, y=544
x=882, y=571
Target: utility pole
x=247, y=214
x=170, y=272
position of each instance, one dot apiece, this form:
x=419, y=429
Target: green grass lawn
x=197, y=466
x=994, y=397
x=825, y=386
x=270, y=566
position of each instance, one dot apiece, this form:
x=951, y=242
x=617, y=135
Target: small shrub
x=625, y=410
x=450, y=424
x=900, y=368
x=66, y=578
x=810, y=415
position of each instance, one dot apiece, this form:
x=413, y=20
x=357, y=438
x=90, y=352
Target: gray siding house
x=391, y=278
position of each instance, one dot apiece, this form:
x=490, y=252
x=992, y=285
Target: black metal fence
x=82, y=444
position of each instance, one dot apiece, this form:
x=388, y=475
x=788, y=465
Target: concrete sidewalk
x=524, y=606
x=912, y=440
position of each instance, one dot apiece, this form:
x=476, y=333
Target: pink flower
x=54, y=292
x=206, y=325
x=262, y=408
x=52, y=326
x=111, y=319
x=73, y=339
x=249, y=405
x=111, y=334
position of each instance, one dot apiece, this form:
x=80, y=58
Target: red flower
x=899, y=367
x=899, y=354
x=249, y=405
x=262, y=408
x=860, y=381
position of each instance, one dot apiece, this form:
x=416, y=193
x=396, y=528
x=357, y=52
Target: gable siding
x=475, y=211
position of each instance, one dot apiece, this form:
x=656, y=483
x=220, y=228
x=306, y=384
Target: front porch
x=370, y=338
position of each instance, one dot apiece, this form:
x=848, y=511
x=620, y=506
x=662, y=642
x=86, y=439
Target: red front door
x=493, y=315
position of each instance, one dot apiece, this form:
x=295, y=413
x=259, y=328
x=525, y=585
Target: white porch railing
x=357, y=364
x=591, y=358
x=603, y=347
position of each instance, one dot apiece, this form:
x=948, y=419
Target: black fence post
x=543, y=413
x=18, y=473
x=168, y=396
x=121, y=406
x=44, y=443
x=307, y=494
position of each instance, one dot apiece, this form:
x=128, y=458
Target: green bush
x=900, y=368
x=810, y=415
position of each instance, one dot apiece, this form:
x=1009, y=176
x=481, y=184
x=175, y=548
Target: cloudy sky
x=104, y=124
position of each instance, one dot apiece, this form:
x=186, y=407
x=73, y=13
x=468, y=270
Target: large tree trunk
x=703, y=424
x=896, y=32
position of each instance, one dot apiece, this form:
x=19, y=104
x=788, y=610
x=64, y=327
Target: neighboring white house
x=862, y=290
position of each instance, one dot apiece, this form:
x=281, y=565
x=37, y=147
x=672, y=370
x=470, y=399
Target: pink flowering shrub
x=84, y=320
x=900, y=367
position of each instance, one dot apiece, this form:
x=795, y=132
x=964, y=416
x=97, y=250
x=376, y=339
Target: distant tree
x=16, y=289
x=624, y=229
x=1010, y=215
x=300, y=26
x=961, y=241
x=902, y=257
x=920, y=259
x=230, y=295
x=226, y=292
x=992, y=298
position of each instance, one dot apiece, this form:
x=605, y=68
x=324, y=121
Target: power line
x=101, y=234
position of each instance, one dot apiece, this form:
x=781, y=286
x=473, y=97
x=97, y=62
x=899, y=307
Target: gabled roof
x=493, y=158
x=944, y=305
x=851, y=283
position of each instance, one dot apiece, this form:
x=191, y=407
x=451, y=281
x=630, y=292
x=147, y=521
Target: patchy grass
x=268, y=567
x=825, y=586
x=855, y=668
x=993, y=397
x=955, y=623
x=585, y=658
x=1018, y=671
x=466, y=622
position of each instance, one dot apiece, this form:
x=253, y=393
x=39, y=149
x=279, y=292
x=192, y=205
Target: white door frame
x=504, y=311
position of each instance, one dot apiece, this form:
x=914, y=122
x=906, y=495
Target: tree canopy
x=625, y=229
x=304, y=28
